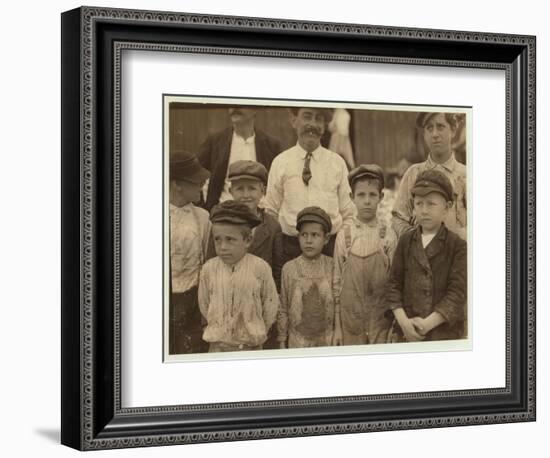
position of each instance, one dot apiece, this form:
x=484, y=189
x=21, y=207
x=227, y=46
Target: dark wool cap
x=232, y=212
x=247, y=169
x=366, y=170
x=314, y=215
x=433, y=181
x=185, y=166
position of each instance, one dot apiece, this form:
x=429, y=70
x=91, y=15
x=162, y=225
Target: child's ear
x=248, y=240
x=351, y=195
x=327, y=238
x=381, y=194
x=449, y=204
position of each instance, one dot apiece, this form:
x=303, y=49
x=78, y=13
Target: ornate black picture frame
x=92, y=42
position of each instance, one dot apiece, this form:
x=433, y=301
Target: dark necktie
x=306, y=173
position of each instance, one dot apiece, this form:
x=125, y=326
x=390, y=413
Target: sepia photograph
x=281, y=228
x=295, y=228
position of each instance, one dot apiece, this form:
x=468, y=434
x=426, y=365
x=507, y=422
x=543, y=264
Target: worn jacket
x=424, y=280
x=267, y=244
x=214, y=156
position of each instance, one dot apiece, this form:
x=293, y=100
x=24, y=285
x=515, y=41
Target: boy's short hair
x=232, y=212
x=423, y=118
x=314, y=215
x=430, y=181
x=366, y=172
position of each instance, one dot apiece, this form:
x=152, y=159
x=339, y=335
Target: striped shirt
x=239, y=302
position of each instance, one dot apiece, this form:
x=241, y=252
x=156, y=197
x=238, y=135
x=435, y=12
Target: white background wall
x=30, y=229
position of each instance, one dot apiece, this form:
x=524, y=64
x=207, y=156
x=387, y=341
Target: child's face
x=248, y=192
x=183, y=192
x=366, y=197
x=430, y=211
x=438, y=135
x=230, y=242
x=312, y=238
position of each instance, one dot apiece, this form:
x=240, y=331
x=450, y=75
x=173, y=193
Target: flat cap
x=366, y=170
x=251, y=170
x=185, y=166
x=232, y=212
x=433, y=181
x=314, y=215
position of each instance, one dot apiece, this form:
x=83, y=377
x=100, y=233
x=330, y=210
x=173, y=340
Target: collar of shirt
x=440, y=234
x=314, y=154
x=360, y=224
x=449, y=164
x=235, y=267
x=185, y=209
x=247, y=141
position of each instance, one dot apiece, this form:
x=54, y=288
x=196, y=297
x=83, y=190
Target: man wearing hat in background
x=362, y=257
x=241, y=141
x=189, y=231
x=427, y=288
x=439, y=130
x=237, y=294
x=308, y=175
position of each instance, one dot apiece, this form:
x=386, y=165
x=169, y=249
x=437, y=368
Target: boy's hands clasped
x=412, y=331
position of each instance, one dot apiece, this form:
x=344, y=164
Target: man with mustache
x=306, y=175
x=439, y=130
x=241, y=141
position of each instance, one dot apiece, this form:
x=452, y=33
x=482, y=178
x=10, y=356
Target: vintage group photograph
x=298, y=224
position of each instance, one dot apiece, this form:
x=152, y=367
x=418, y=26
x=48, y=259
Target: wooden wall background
x=381, y=137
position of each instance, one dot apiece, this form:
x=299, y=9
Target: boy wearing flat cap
x=237, y=294
x=362, y=256
x=248, y=180
x=439, y=130
x=306, y=315
x=189, y=230
x=427, y=288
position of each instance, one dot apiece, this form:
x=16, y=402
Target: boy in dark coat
x=427, y=289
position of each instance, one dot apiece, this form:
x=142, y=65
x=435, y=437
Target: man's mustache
x=312, y=130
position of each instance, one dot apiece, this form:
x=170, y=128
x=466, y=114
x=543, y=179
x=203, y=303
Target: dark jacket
x=424, y=280
x=267, y=244
x=214, y=155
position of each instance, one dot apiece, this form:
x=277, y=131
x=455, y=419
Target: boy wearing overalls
x=362, y=258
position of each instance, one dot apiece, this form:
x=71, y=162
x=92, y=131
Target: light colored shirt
x=364, y=240
x=426, y=239
x=241, y=150
x=328, y=188
x=403, y=207
x=239, y=302
x=189, y=231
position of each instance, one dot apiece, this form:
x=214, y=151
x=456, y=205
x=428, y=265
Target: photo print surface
x=296, y=228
